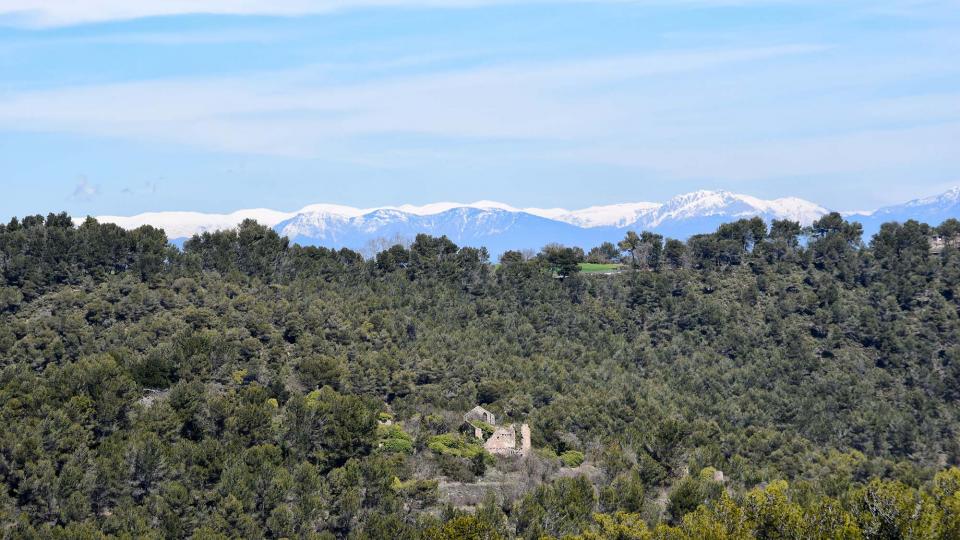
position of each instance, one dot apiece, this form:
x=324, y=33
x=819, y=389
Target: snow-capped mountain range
x=499, y=226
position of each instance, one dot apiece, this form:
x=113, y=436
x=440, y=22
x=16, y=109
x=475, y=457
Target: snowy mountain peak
x=500, y=226
x=185, y=224
x=947, y=198
x=705, y=203
x=792, y=208
x=330, y=210
x=612, y=215
x=699, y=200
x=441, y=207
x=932, y=210
x=681, y=215
x=946, y=203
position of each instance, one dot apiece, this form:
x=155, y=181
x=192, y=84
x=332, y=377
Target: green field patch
x=593, y=268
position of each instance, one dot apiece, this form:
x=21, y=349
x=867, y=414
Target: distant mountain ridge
x=499, y=226
x=496, y=229
x=933, y=210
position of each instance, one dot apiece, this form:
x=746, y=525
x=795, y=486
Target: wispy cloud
x=182, y=37
x=804, y=156
x=84, y=190
x=299, y=112
x=50, y=13
x=741, y=113
x=41, y=13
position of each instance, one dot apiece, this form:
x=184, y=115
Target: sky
x=119, y=107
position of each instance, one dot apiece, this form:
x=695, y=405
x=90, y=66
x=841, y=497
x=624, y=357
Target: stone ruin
x=503, y=441
x=481, y=414
x=938, y=243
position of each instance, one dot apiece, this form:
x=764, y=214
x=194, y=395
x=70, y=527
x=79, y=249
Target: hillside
x=761, y=382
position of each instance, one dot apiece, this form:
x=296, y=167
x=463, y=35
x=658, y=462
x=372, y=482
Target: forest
x=765, y=381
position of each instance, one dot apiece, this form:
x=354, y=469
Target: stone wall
x=503, y=442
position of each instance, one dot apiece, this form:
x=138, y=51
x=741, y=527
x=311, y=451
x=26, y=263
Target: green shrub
x=571, y=458
x=691, y=492
x=320, y=371
x=456, y=468
x=546, y=453
x=486, y=428
x=393, y=439
x=424, y=489
x=454, y=444
x=434, y=423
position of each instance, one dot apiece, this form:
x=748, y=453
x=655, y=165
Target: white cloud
x=746, y=113
x=867, y=151
x=301, y=113
x=69, y=12
x=49, y=13
x=43, y=13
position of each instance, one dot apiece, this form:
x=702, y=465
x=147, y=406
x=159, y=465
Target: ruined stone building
x=503, y=441
x=938, y=243
x=481, y=414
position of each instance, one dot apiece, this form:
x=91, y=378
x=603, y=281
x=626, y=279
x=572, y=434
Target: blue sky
x=119, y=107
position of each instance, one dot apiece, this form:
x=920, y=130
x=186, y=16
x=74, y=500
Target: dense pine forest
x=758, y=382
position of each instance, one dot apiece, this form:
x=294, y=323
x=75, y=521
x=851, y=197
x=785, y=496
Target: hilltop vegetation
x=245, y=387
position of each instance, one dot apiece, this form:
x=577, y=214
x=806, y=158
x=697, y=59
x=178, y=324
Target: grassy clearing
x=593, y=268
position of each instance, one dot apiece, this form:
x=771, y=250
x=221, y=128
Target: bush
x=486, y=428
x=422, y=489
x=393, y=439
x=320, y=371
x=691, y=492
x=571, y=458
x=456, y=468
x=454, y=444
x=546, y=453
x=434, y=422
